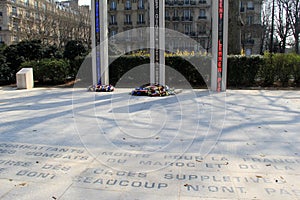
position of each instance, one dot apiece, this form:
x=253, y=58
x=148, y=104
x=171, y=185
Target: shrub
x=49, y=70
x=243, y=71
x=185, y=66
x=295, y=60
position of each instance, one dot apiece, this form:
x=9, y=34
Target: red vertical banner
x=220, y=44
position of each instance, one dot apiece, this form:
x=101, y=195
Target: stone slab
x=72, y=144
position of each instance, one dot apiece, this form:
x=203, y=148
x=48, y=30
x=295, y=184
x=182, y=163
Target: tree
x=4, y=69
x=74, y=48
x=30, y=50
x=74, y=52
x=266, y=26
x=234, y=27
x=294, y=20
x=283, y=23
x=13, y=62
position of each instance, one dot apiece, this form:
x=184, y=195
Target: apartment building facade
x=190, y=17
x=251, y=30
x=245, y=27
x=50, y=21
x=193, y=18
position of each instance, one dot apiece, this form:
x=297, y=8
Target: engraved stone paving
x=70, y=144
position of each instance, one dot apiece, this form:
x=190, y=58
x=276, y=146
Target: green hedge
x=268, y=70
x=185, y=66
x=49, y=70
x=242, y=71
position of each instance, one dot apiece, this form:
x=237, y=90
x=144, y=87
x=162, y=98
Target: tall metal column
x=99, y=42
x=157, y=42
x=219, y=45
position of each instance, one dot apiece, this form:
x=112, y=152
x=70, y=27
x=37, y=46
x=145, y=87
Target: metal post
x=272, y=29
x=99, y=42
x=219, y=45
x=157, y=42
x=104, y=42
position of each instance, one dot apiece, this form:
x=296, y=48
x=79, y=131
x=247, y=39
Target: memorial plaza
x=70, y=144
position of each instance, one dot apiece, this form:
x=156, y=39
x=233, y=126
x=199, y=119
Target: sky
x=84, y=2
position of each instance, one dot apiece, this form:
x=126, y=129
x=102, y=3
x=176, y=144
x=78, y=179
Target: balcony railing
x=140, y=22
x=202, y=1
x=190, y=33
x=128, y=23
x=113, y=23
x=170, y=3
x=15, y=14
x=113, y=8
x=193, y=3
x=176, y=18
x=167, y=18
x=250, y=8
x=184, y=18
x=128, y=8
x=202, y=17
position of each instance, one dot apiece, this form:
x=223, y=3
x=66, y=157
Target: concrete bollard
x=25, y=78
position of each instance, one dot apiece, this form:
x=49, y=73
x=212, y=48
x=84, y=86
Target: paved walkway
x=72, y=145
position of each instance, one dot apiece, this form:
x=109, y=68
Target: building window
x=36, y=4
x=202, y=14
x=250, y=5
x=250, y=20
x=128, y=19
x=141, y=4
x=203, y=43
x=175, y=13
x=113, y=33
x=187, y=29
x=175, y=27
x=0, y=13
x=14, y=10
x=186, y=13
x=248, y=52
x=113, y=5
x=27, y=14
x=0, y=30
x=141, y=18
x=186, y=2
x=202, y=29
x=26, y=2
x=44, y=7
x=128, y=5
x=15, y=26
x=167, y=13
x=113, y=19
x=37, y=16
x=242, y=8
